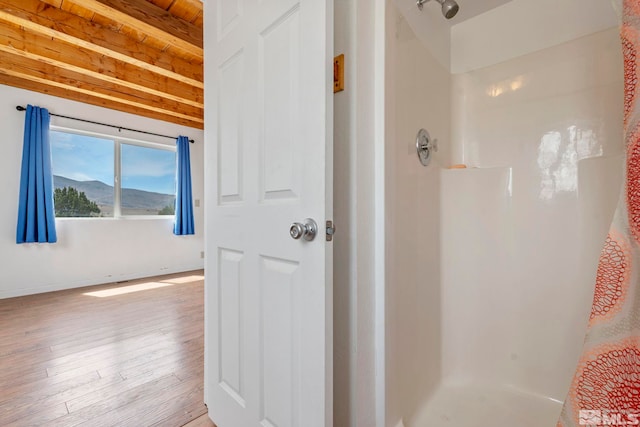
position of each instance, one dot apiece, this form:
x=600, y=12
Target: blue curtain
x=184, y=206
x=36, y=216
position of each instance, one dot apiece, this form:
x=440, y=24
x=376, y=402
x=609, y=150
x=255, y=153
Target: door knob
x=307, y=230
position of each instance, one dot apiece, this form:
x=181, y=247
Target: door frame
x=360, y=221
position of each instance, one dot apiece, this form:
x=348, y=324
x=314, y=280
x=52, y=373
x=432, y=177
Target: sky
x=87, y=158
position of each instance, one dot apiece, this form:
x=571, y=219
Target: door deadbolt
x=307, y=230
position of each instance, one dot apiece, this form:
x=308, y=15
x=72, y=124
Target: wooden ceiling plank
x=56, y=3
x=62, y=76
x=186, y=10
x=107, y=23
x=20, y=42
x=164, y=4
x=26, y=69
x=38, y=76
x=157, y=44
x=173, y=51
x=92, y=100
x=136, y=35
x=198, y=20
x=152, y=20
x=52, y=22
x=77, y=10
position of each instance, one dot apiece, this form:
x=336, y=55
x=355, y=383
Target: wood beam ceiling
x=25, y=68
x=151, y=20
x=74, y=55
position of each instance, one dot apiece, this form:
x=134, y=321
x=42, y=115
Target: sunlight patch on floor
x=181, y=280
x=127, y=289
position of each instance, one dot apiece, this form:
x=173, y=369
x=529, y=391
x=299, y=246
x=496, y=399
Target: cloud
x=147, y=168
x=79, y=176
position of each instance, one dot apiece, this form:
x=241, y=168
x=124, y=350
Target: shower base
x=473, y=406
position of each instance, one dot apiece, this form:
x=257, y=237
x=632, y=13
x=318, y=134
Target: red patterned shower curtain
x=606, y=385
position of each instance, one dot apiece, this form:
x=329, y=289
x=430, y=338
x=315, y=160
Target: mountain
x=102, y=194
x=96, y=191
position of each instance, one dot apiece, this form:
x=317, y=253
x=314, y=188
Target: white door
x=268, y=77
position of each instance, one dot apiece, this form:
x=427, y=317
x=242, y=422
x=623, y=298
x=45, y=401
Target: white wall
x=430, y=27
x=418, y=85
x=89, y=251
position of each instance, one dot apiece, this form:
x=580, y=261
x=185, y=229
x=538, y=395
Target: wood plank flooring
x=125, y=354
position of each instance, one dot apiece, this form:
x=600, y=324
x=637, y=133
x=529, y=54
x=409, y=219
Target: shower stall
x=490, y=266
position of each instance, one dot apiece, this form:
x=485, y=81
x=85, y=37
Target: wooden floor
x=129, y=356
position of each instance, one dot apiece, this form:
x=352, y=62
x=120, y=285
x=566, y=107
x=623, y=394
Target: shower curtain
x=606, y=386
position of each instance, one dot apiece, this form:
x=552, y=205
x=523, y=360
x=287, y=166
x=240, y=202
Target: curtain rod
x=21, y=108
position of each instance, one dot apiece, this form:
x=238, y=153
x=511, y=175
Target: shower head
x=449, y=7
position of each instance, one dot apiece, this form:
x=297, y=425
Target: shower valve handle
x=429, y=145
x=425, y=146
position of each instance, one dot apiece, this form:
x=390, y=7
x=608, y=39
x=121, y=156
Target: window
x=98, y=176
x=148, y=180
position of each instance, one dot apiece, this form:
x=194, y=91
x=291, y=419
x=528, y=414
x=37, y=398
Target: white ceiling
x=470, y=8
x=489, y=31
x=434, y=30
x=526, y=26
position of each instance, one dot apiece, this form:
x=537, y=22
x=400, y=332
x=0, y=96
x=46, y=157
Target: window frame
x=117, y=171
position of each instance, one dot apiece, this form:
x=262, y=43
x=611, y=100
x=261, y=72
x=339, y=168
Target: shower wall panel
x=417, y=96
x=524, y=224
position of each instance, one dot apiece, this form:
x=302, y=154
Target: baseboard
x=92, y=281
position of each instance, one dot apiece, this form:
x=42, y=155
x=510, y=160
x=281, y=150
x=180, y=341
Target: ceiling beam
x=89, y=99
x=50, y=21
x=62, y=78
x=151, y=20
x=65, y=56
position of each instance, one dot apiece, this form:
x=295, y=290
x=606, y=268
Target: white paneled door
x=268, y=109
